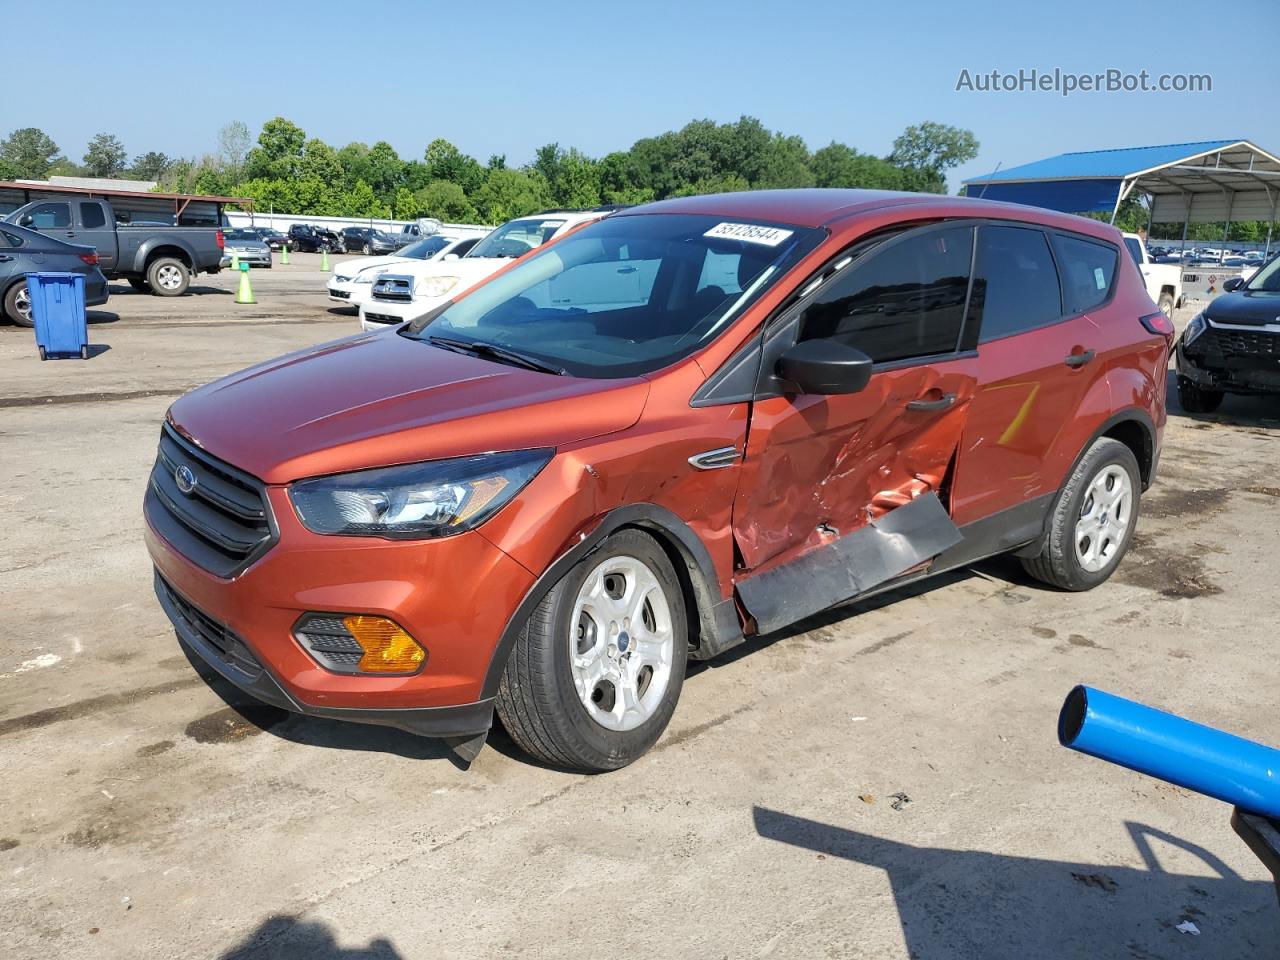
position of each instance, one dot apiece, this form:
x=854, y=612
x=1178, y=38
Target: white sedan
x=353, y=279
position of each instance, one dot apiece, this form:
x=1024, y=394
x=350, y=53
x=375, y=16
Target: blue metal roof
x=1101, y=164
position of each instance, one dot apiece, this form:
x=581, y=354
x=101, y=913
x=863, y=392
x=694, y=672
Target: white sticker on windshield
x=1099, y=278
x=749, y=233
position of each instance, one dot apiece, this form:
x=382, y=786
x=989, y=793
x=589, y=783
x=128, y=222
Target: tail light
x=222, y=242
x=1160, y=325
x=90, y=258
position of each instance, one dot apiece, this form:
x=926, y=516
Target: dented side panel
x=821, y=467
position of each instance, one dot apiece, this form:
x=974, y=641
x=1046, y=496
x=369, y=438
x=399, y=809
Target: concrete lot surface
x=884, y=782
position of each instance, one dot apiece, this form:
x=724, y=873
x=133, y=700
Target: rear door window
x=46, y=216
x=1087, y=269
x=1015, y=284
x=91, y=216
x=906, y=301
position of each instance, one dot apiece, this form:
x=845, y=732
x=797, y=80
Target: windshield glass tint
x=517, y=238
x=1267, y=278
x=424, y=249
x=627, y=295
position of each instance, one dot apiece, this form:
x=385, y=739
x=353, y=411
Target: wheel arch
x=147, y=255
x=713, y=622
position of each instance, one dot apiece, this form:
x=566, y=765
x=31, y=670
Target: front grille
x=1240, y=343
x=382, y=318
x=222, y=523
x=393, y=287
x=340, y=294
x=191, y=620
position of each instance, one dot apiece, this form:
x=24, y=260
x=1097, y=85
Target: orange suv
x=684, y=424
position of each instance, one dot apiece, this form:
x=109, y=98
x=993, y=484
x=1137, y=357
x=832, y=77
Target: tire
x=1196, y=399
x=43, y=355
x=1083, y=522
x=538, y=699
x=168, y=277
x=1166, y=304
x=17, y=304
x=139, y=284
x=84, y=352
x=367, y=250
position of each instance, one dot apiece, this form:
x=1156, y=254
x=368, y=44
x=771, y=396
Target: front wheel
x=168, y=277
x=366, y=250
x=1196, y=399
x=595, y=674
x=17, y=304
x=1093, y=520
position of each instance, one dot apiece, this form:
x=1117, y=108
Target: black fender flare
x=147, y=249
x=717, y=619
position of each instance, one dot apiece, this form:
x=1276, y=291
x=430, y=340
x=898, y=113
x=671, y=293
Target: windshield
x=517, y=238
x=425, y=248
x=1267, y=279
x=624, y=296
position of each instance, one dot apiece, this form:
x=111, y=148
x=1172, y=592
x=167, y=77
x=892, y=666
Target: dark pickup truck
x=153, y=257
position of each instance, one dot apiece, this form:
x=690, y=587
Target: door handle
x=1078, y=359
x=941, y=403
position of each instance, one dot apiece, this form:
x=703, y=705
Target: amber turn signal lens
x=387, y=648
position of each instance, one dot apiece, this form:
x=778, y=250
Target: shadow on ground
x=285, y=937
x=973, y=904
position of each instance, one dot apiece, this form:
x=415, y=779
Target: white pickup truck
x=1164, y=280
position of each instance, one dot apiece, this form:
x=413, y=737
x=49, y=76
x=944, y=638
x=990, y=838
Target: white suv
x=352, y=280
x=400, y=295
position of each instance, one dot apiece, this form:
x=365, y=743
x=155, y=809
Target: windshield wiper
x=494, y=352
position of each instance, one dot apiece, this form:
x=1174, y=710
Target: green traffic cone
x=245, y=293
x=235, y=260
x=284, y=254
x=324, y=259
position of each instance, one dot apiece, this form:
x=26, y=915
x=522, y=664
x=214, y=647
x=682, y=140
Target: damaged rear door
x=841, y=493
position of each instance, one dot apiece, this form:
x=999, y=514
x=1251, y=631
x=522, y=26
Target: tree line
x=288, y=172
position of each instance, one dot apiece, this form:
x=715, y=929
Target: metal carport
x=1204, y=182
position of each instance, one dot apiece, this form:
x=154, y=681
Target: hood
x=1245, y=307
x=349, y=268
x=468, y=270
x=380, y=399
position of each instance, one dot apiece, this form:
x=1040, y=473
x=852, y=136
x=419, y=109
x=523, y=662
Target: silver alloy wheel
x=169, y=277
x=22, y=303
x=621, y=643
x=1104, y=518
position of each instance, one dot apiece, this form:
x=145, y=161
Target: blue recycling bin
x=57, y=308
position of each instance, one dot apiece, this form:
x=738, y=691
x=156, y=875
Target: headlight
x=369, y=276
x=433, y=287
x=417, y=501
x=1194, y=329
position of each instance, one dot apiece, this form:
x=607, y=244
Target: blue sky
x=502, y=77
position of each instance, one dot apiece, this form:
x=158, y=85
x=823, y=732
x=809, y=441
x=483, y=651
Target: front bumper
x=1235, y=373
x=381, y=314
x=349, y=293
x=454, y=596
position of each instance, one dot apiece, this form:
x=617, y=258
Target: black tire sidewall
x=11, y=306
x=603, y=748
x=1102, y=454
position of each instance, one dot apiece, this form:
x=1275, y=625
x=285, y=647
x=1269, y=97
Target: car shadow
x=1240, y=410
x=320, y=731
x=101, y=316
x=345, y=311
x=962, y=903
x=289, y=937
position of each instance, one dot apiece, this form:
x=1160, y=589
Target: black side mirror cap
x=826, y=367
x=26, y=221
x=1233, y=283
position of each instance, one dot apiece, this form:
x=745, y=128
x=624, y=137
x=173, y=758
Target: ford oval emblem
x=185, y=479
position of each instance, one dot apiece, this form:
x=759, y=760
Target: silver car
x=248, y=247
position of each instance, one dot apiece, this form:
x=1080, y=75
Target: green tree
x=933, y=148
x=149, y=166
x=320, y=162
x=361, y=201
x=354, y=158
x=7, y=170
x=445, y=200
x=785, y=164
x=839, y=165
x=385, y=170
x=406, y=205
x=106, y=156
x=233, y=147
x=278, y=154
x=511, y=193
x=29, y=152
x=444, y=161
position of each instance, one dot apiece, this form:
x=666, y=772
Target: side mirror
x=27, y=221
x=1235, y=283
x=825, y=367
x=450, y=256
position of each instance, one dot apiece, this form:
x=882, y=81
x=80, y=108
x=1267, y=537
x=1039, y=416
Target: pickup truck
x=158, y=258
x=1163, y=280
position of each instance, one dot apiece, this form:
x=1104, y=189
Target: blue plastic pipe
x=1169, y=748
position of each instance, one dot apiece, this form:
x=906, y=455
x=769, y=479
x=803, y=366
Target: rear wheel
x=168, y=277
x=17, y=304
x=366, y=250
x=1093, y=520
x=1166, y=304
x=595, y=674
x=1196, y=399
